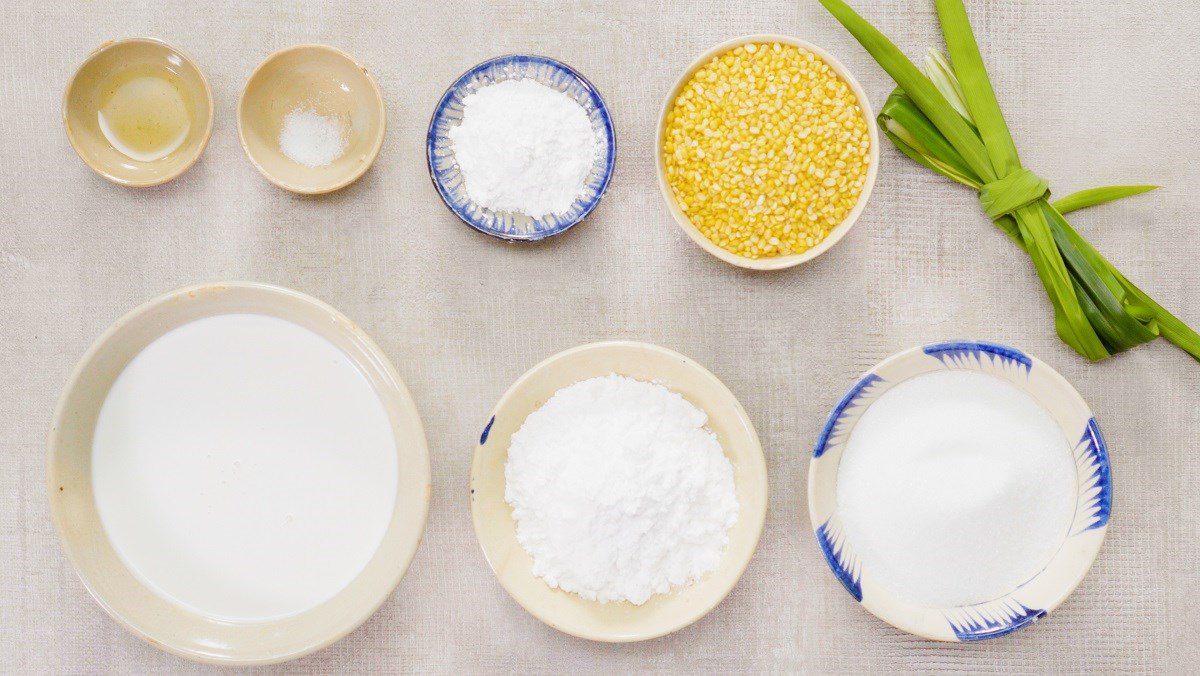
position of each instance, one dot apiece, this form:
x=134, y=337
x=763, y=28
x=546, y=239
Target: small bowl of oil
x=311, y=119
x=138, y=111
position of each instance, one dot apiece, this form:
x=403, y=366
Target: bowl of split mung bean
x=767, y=150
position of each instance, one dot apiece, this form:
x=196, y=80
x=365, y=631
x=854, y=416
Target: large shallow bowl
x=448, y=180
x=152, y=617
x=773, y=262
x=1043, y=592
x=623, y=621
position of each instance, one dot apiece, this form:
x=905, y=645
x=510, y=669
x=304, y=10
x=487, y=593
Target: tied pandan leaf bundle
x=948, y=120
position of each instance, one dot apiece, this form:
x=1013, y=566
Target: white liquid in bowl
x=244, y=467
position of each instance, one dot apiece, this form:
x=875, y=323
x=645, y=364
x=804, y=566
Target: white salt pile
x=312, y=139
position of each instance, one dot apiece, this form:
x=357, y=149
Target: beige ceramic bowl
x=494, y=525
x=330, y=82
x=775, y=262
x=82, y=100
x=153, y=618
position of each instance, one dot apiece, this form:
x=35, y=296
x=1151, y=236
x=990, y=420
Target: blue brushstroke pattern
x=984, y=622
x=1095, y=453
x=834, y=555
x=960, y=349
x=448, y=180
x=846, y=402
x=486, y=431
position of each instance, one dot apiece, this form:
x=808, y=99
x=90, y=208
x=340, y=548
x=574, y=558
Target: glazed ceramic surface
x=1039, y=595
x=150, y=616
x=570, y=613
x=449, y=112
x=327, y=81
x=82, y=101
x=774, y=262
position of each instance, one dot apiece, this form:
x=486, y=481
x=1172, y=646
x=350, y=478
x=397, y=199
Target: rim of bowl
x=376, y=145
x=758, y=525
x=772, y=262
x=902, y=614
x=101, y=170
x=60, y=526
x=601, y=109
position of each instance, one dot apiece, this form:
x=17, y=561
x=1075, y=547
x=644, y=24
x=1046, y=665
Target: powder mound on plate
x=619, y=491
x=524, y=147
x=955, y=488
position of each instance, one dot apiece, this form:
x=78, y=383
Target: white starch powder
x=619, y=491
x=312, y=139
x=524, y=147
x=955, y=488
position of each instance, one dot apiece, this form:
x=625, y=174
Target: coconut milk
x=243, y=467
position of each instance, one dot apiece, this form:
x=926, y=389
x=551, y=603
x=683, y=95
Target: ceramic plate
x=448, y=114
x=1043, y=592
x=150, y=616
x=567, y=612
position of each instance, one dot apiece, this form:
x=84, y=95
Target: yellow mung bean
x=766, y=150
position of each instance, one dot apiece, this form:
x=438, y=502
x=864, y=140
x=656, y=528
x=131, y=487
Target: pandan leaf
x=1096, y=196
x=1097, y=310
x=917, y=86
x=977, y=87
x=925, y=137
x=939, y=72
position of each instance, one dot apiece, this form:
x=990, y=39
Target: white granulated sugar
x=312, y=139
x=524, y=147
x=619, y=491
x=955, y=488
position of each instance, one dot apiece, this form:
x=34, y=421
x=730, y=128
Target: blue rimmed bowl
x=448, y=180
x=1036, y=597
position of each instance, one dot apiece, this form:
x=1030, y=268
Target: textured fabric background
x=1095, y=93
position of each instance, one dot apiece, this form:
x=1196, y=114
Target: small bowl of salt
x=960, y=491
x=311, y=119
x=521, y=147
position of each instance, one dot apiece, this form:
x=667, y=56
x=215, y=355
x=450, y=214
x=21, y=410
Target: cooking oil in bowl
x=144, y=112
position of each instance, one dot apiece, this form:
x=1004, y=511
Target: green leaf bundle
x=949, y=121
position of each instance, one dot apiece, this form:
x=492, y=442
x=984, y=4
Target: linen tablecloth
x=1095, y=93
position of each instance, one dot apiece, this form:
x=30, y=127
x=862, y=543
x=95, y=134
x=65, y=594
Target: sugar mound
x=955, y=488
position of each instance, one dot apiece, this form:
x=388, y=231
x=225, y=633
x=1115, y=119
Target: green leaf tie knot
x=1006, y=195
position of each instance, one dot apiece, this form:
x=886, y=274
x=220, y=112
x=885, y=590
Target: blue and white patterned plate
x=444, y=170
x=1040, y=594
